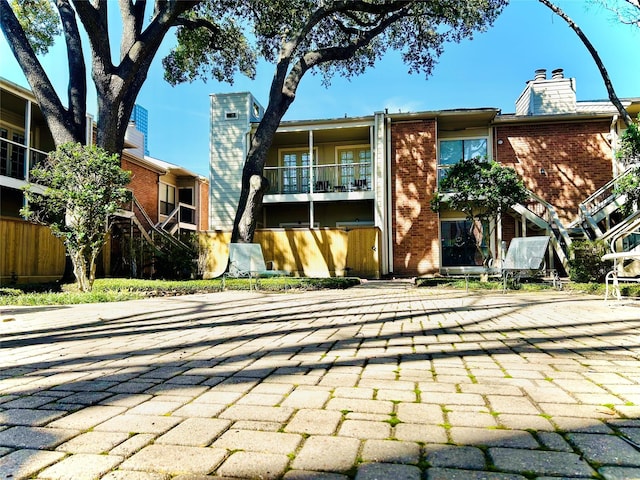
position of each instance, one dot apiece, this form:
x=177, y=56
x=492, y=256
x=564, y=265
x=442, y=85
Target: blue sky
x=489, y=71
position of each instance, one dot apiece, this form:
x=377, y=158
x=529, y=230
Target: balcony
x=13, y=156
x=327, y=178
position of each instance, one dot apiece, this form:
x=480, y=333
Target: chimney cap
x=557, y=73
x=540, y=74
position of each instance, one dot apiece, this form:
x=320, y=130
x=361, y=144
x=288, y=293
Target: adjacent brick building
x=381, y=171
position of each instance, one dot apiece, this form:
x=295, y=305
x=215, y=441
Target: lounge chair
x=525, y=258
x=246, y=261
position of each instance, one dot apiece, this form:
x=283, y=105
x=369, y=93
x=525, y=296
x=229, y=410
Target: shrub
x=586, y=264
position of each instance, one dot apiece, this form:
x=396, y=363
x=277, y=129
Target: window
x=167, y=199
x=295, y=171
x=355, y=167
x=459, y=243
x=453, y=151
x=12, y=156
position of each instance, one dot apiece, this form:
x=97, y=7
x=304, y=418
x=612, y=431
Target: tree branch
x=77, y=87
x=596, y=58
x=57, y=117
x=95, y=24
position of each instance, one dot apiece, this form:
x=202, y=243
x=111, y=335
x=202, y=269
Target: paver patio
x=380, y=381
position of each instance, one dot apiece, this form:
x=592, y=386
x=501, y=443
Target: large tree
x=30, y=27
x=329, y=37
x=220, y=37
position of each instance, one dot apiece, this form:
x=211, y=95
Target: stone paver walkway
x=382, y=381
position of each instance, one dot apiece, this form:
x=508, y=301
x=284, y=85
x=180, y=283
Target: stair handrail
x=553, y=217
x=588, y=204
x=177, y=242
x=176, y=212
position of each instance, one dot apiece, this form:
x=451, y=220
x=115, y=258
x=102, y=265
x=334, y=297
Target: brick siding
x=576, y=158
x=144, y=183
x=416, y=245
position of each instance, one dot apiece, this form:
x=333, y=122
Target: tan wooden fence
x=323, y=252
x=29, y=253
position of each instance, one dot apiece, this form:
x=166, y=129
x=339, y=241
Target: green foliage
x=339, y=37
x=629, y=153
x=119, y=289
x=481, y=189
x=629, y=148
x=586, y=264
x=173, y=261
x=210, y=43
x=39, y=21
x=84, y=186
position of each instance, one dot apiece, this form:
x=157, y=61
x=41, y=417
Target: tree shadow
x=207, y=346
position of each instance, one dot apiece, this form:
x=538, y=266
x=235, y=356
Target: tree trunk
x=254, y=184
x=80, y=270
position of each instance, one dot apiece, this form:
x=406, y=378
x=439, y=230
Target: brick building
x=381, y=172
x=168, y=198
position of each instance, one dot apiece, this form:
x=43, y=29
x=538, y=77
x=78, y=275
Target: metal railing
x=603, y=196
x=541, y=213
x=342, y=177
x=14, y=156
x=182, y=214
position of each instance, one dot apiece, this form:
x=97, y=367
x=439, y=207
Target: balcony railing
x=343, y=177
x=13, y=156
x=182, y=216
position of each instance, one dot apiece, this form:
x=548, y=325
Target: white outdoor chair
x=525, y=258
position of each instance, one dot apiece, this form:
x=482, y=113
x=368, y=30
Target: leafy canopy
x=337, y=36
x=39, y=21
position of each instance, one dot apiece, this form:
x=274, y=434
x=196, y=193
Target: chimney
x=542, y=96
x=541, y=74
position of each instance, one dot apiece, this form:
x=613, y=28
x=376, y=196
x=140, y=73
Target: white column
x=27, y=139
x=311, y=181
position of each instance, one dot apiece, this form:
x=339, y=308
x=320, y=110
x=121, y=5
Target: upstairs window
x=454, y=151
x=167, y=199
x=354, y=167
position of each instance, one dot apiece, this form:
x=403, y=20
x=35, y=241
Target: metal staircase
x=596, y=210
x=600, y=217
x=542, y=214
x=134, y=223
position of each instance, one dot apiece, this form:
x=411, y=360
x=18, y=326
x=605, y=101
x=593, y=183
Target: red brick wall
x=416, y=247
x=203, y=211
x=144, y=183
x=575, y=156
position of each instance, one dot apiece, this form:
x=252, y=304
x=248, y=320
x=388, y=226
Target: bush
x=586, y=264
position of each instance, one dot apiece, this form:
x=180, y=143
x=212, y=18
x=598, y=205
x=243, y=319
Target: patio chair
x=246, y=261
x=525, y=258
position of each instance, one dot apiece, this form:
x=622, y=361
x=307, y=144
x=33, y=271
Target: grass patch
x=119, y=289
x=527, y=285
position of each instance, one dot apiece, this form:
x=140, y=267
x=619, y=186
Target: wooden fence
x=323, y=252
x=29, y=253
